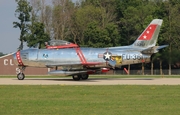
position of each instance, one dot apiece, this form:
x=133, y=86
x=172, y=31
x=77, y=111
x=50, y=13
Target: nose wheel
x=21, y=75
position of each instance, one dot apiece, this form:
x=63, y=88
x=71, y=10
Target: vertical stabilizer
x=149, y=36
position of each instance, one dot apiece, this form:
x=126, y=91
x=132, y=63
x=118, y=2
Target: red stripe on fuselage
x=18, y=57
x=81, y=55
x=83, y=59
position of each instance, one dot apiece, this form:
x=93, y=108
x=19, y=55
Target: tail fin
x=149, y=36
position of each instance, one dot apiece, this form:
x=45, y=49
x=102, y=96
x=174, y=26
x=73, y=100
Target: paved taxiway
x=91, y=81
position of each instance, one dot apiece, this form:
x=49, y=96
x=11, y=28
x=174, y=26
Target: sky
x=9, y=41
x=9, y=36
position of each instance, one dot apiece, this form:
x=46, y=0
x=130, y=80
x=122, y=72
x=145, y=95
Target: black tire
x=76, y=77
x=20, y=76
x=84, y=76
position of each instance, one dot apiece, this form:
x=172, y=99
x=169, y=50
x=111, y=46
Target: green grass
x=89, y=100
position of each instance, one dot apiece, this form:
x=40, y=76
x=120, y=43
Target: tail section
x=149, y=36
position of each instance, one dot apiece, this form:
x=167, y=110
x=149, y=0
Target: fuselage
x=72, y=56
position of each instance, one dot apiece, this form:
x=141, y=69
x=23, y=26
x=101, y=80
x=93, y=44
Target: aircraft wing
x=73, y=64
x=61, y=64
x=69, y=69
x=68, y=72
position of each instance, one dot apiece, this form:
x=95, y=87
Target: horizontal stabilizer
x=153, y=49
x=160, y=47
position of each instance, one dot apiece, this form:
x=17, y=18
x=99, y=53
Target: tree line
x=101, y=23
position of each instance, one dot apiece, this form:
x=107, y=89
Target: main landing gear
x=21, y=75
x=80, y=76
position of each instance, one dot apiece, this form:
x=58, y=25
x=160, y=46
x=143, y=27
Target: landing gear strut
x=21, y=75
x=81, y=76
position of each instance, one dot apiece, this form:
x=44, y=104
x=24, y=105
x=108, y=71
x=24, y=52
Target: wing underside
x=69, y=69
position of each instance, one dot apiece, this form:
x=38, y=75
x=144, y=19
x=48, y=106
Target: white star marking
x=144, y=37
x=148, y=32
x=150, y=28
x=107, y=56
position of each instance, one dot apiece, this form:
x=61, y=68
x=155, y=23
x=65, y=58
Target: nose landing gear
x=21, y=75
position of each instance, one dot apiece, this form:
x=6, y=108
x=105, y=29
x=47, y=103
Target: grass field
x=89, y=100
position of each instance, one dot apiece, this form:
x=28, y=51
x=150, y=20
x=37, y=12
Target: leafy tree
x=98, y=37
x=83, y=17
x=61, y=18
x=133, y=17
x=169, y=11
x=1, y=54
x=32, y=31
x=106, y=8
x=96, y=16
x=37, y=35
x=23, y=13
x=42, y=13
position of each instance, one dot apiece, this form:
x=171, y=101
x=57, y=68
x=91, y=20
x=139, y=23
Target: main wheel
x=76, y=77
x=20, y=76
x=84, y=76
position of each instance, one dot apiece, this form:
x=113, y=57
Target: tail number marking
x=133, y=56
x=140, y=43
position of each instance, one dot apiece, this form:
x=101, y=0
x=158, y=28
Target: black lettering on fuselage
x=128, y=57
x=138, y=57
x=123, y=56
x=132, y=56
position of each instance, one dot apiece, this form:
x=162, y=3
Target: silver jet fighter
x=71, y=60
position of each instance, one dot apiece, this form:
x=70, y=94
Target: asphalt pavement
x=91, y=81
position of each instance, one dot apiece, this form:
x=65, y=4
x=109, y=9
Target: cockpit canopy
x=57, y=42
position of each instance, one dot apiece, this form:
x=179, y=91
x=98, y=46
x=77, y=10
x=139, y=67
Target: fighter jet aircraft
x=71, y=60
